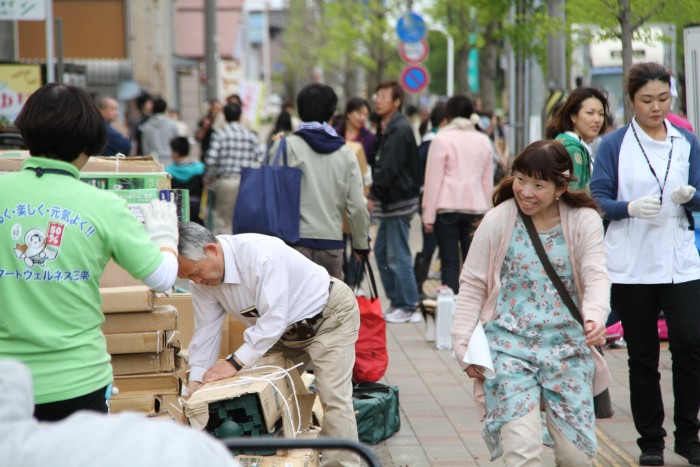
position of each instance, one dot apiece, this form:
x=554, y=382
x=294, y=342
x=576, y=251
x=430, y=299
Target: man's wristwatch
x=234, y=362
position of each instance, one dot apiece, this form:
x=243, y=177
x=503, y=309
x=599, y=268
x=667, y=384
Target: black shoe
x=652, y=457
x=691, y=452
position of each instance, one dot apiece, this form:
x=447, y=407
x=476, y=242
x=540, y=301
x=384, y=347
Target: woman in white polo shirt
x=645, y=179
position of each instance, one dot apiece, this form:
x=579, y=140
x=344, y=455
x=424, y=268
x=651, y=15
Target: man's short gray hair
x=193, y=239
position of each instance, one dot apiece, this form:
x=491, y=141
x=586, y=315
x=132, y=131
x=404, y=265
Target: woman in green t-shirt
x=576, y=124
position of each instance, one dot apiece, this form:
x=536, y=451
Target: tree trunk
x=627, y=31
x=488, y=62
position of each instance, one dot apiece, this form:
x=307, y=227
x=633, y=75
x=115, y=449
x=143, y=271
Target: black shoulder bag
x=602, y=403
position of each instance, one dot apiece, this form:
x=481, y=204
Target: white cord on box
x=269, y=378
x=281, y=373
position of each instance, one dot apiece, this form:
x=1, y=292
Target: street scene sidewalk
x=440, y=425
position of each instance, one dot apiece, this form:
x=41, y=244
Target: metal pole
x=556, y=49
x=59, y=51
x=210, y=49
x=266, y=58
x=450, y=59
x=50, y=75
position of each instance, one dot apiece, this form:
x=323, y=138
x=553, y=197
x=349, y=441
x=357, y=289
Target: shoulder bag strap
x=364, y=265
x=553, y=276
x=281, y=150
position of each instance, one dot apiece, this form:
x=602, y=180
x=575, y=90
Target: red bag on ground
x=371, y=357
x=663, y=329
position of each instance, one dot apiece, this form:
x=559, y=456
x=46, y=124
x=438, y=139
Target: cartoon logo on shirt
x=38, y=246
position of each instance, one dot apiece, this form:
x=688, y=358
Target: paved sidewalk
x=440, y=425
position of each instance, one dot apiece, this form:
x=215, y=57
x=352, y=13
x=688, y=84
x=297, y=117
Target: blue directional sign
x=415, y=79
x=411, y=27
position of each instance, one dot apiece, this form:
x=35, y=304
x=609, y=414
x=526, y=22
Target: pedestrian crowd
x=544, y=250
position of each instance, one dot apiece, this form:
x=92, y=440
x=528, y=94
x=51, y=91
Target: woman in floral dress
x=545, y=371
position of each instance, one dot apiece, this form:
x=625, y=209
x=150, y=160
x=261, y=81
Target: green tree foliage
x=340, y=36
x=622, y=18
x=474, y=23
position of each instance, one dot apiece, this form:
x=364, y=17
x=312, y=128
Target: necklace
x=653, y=172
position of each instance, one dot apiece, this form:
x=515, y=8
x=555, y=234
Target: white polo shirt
x=660, y=250
x=267, y=285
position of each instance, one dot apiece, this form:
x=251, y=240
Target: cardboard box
x=142, y=403
x=171, y=406
x=126, y=299
x=11, y=161
x=136, y=198
x=287, y=457
x=185, y=320
x=161, y=384
x=116, y=276
x=235, y=333
x=127, y=181
x=144, y=363
x=295, y=458
x=271, y=391
x=136, y=342
x=162, y=318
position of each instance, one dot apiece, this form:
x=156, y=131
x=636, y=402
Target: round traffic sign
x=414, y=52
x=415, y=78
x=411, y=27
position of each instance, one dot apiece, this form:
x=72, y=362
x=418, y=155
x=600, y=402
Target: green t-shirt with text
x=56, y=236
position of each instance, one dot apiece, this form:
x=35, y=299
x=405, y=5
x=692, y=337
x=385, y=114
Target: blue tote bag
x=269, y=198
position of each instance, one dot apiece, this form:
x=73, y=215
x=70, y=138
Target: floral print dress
x=538, y=347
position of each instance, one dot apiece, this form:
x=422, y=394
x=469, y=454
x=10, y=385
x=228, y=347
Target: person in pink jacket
x=541, y=354
x=458, y=186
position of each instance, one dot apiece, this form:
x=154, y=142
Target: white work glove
x=647, y=207
x=682, y=194
x=160, y=221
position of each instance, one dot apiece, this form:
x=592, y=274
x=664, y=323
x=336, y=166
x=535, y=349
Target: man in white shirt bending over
x=290, y=305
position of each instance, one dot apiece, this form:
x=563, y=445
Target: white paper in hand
x=479, y=353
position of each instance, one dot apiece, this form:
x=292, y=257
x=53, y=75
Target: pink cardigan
x=459, y=171
x=480, y=281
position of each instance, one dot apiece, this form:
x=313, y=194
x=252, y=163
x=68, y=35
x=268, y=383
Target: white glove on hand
x=644, y=208
x=160, y=221
x=682, y=194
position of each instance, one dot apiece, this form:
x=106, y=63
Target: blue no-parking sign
x=415, y=78
x=411, y=27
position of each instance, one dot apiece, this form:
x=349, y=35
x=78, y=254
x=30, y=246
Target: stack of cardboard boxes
x=142, y=339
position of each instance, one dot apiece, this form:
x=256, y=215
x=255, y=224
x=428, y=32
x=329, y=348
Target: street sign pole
x=50, y=75
x=450, y=59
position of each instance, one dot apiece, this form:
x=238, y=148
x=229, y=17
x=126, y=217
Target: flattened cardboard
x=126, y=299
x=144, y=363
x=136, y=342
x=162, y=318
x=256, y=380
x=161, y=384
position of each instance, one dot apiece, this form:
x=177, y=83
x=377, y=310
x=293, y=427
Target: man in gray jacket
x=157, y=133
x=331, y=183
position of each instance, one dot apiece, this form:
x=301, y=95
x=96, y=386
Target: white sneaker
x=389, y=311
x=401, y=316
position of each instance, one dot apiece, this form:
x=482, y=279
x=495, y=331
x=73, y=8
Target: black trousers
x=453, y=232
x=639, y=307
x=54, y=411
